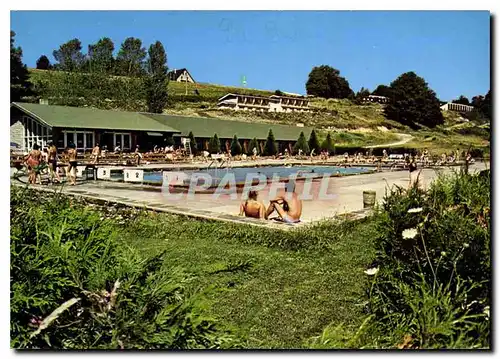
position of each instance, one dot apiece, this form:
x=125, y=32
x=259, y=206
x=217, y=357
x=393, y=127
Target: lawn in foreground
x=275, y=290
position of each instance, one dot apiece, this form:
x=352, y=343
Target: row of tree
x=147, y=70
x=131, y=60
x=270, y=146
x=411, y=101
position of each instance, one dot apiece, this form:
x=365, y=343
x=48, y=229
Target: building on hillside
x=39, y=124
x=181, y=75
x=375, y=98
x=273, y=103
x=450, y=106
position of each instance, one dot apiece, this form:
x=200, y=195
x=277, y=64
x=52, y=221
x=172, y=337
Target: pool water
x=240, y=174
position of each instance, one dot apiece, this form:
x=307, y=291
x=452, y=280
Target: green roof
x=207, y=127
x=80, y=117
x=203, y=127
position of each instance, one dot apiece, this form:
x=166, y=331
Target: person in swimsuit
x=72, y=164
x=138, y=155
x=287, y=205
x=96, y=151
x=415, y=175
x=252, y=207
x=53, y=163
x=32, y=162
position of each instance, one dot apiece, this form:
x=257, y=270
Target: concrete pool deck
x=347, y=191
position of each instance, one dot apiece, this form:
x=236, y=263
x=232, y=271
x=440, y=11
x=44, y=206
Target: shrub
x=301, y=144
x=253, y=144
x=214, y=144
x=236, y=146
x=68, y=267
x=270, y=148
x=433, y=251
x=313, y=142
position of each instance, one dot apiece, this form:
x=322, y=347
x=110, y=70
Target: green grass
x=270, y=296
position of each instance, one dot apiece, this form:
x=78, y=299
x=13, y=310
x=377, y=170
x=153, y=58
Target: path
x=403, y=138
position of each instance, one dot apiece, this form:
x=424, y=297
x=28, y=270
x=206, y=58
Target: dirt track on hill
x=403, y=138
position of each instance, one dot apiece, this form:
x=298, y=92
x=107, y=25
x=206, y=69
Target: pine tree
x=192, y=142
x=270, y=149
x=328, y=144
x=43, y=63
x=313, y=142
x=251, y=145
x=235, y=146
x=301, y=144
x=214, y=144
x=19, y=84
x=156, y=80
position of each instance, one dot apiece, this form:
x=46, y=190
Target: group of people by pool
x=39, y=161
x=286, y=205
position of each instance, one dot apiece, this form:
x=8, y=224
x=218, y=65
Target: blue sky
x=277, y=50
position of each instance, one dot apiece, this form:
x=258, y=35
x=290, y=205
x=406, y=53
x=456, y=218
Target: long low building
x=272, y=103
x=32, y=123
x=458, y=107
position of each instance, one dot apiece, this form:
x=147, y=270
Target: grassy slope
x=350, y=124
x=286, y=296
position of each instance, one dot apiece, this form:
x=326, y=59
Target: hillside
x=350, y=124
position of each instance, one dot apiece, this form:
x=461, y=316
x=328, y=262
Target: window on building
x=84, y=140
x=122, y=140
x=34, y=133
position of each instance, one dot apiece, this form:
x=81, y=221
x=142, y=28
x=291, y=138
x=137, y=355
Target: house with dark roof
x=32, y=123
x=181, y=75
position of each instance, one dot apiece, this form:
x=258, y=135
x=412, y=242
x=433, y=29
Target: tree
x=361, y=95
x=414, y=103
x=383, y=90
x=301, y=144
x=313, y=142
x=325, y=81
x=271, y=148
x=193, y=144
x=486, y=105
x=214, y=144
x=328, y=144
x=477, y=101
x=253, y=144
x=462, y=100
x=43, y=63
x=19, y=84
x=278, y=93
x=130, y=58
x=156, y=80
x=100, y=56
x=69, y=56
x=236, y=146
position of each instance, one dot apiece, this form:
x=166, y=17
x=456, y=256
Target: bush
x=214, y=144
x=68, y=266
x=270, y=148
x=251, y=145
x=433, y=255
x=301, y=144
x=236, y=148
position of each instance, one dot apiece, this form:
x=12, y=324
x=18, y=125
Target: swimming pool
x=240, y=173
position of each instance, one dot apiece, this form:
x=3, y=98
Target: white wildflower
x=410, y=233
x=466, y=245
x=415, y=210
x=486, y=311
x=371, y=271
x=443, y=254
